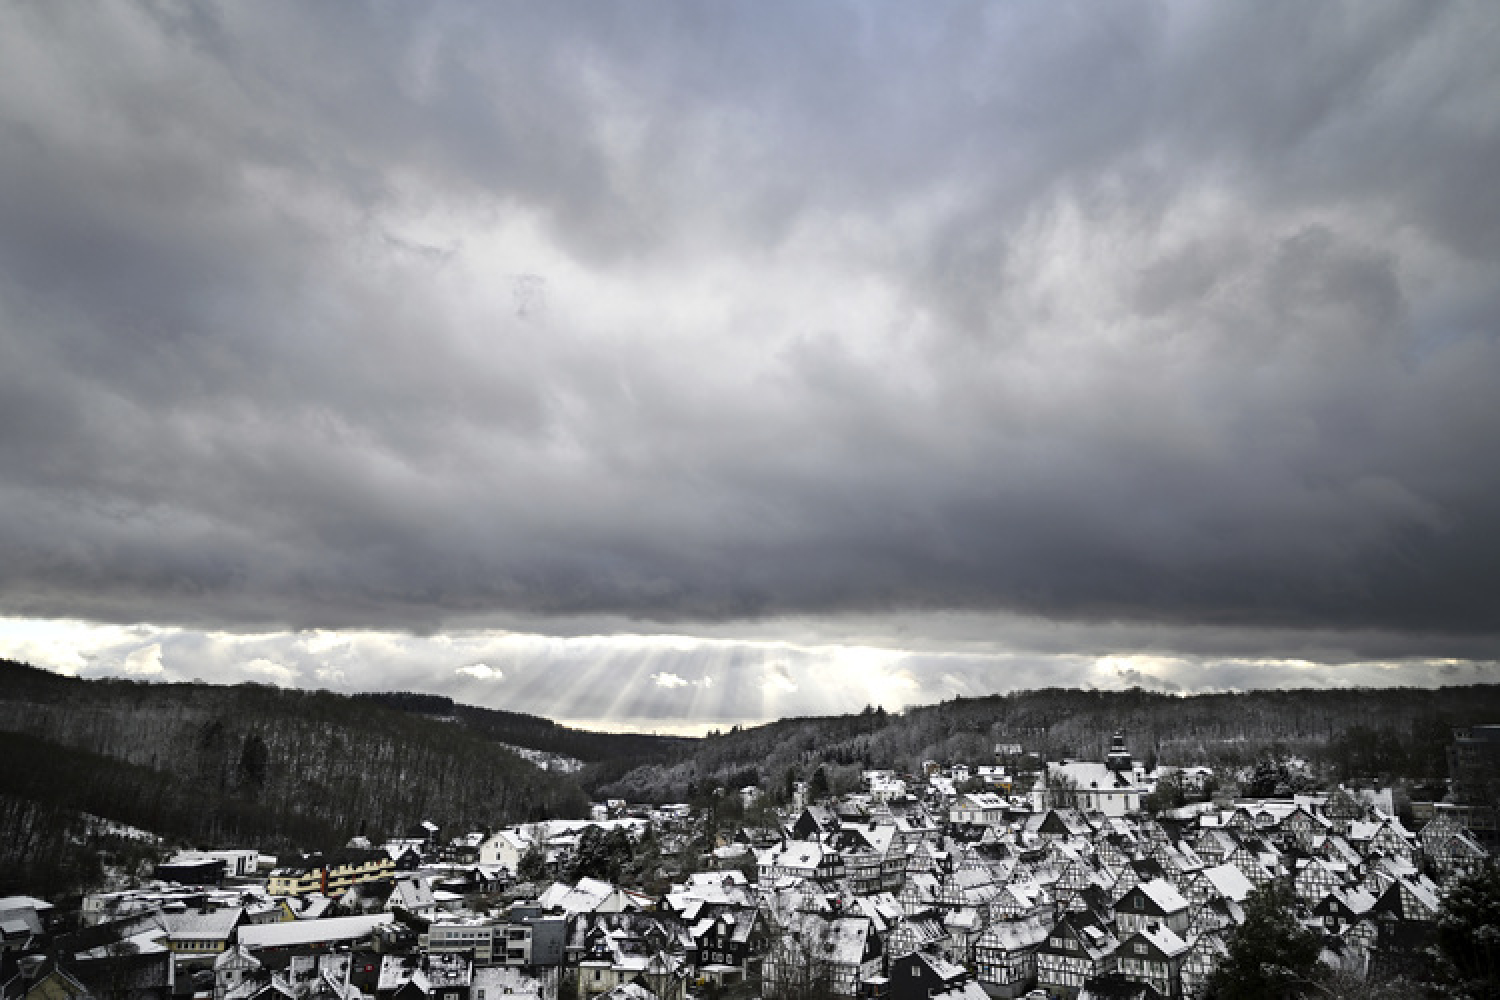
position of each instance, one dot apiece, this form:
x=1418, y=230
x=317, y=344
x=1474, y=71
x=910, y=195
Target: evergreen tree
x=255, y=759
x=1271, y=955
x=533, y=865
x=817, y=788
x=1468, y=935
x=1168, y=794
x=1269, y=779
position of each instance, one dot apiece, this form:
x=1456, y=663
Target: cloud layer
x=690, y=684
x=401, y=317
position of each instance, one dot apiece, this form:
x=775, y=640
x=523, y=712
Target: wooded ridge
x=1364, y=735
x=257, y=765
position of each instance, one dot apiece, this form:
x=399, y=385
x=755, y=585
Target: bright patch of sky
x=668, y=683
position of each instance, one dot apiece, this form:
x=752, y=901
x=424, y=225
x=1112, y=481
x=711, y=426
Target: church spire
x=1119, y=755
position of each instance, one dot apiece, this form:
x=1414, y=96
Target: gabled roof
x=314, y=906
x=1026, y=894
x=1212, y=941
x=237, y=957
x=847, y=939
x=1341, y=849
x=1014, y=935
x=215, y=926
x=966, y=919
x=1353, y=903
x=1221, y=911
x=1167, y=944
x=883, y=909
x=794, y=854
x=922, y=930
x=514, y=838
x=1162, y=894
x=1069, y=822
x=412, y=894
x=940, y=967
x=1423, y=894
x=825, y=819
x=1097, y=940
x=1216, y=840
x=1229, y=882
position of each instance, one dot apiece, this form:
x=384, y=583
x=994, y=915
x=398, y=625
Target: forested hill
x=1360, y=735
x=254, y=765
x=536, y=732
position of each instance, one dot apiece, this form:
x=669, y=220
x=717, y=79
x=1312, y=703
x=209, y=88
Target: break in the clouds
x=398, y=317
x=674, y=683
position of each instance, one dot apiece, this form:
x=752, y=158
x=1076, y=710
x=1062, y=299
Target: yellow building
x=332, y=874
x=191, y=935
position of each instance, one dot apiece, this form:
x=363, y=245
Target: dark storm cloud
x=393, y=315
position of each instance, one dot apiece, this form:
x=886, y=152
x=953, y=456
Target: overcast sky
x=664, y=365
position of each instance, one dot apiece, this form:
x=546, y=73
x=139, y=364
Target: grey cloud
x=848, y=311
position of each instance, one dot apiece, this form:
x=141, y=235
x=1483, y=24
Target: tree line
x=1360, y=735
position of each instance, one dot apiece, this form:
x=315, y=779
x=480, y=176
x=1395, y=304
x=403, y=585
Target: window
x=1140, y=949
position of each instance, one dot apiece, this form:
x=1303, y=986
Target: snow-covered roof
x=845, y=942
x=1088, y=775
x=501, y=980
x=1229, y=882
x=979, y=800
x=941, y=967
x=1164, y=894
x=794, y=854
x=1013, y=935
x=412, y=893
x=215, y=926
x=296, y=932
x=1357, y=901
x=24, y=903
x=1163, y=939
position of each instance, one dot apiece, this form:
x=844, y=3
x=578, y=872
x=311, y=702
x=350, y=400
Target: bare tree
x=796, y=965
x=1062, y=791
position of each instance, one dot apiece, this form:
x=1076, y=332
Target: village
x=1067, y=879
